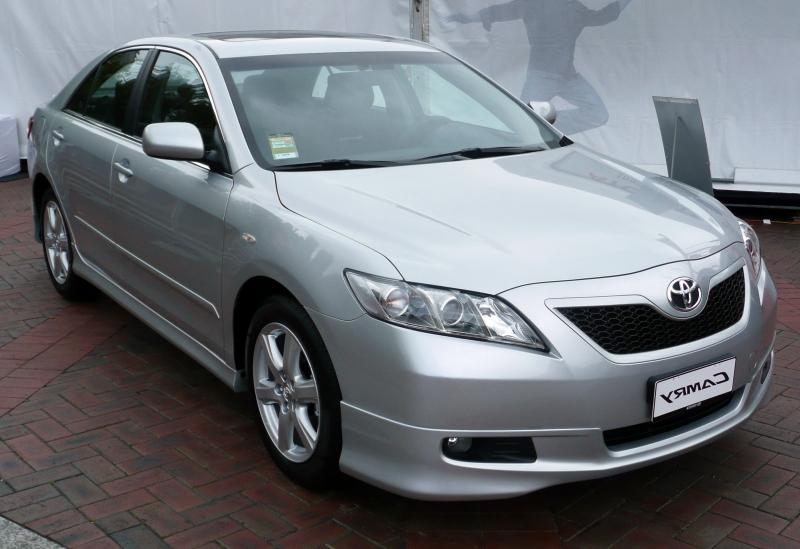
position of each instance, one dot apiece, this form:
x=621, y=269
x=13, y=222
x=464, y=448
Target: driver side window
x=175, y=92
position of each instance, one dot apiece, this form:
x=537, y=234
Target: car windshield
x=375, y=108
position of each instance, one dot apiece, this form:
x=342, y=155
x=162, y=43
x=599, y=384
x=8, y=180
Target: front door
x=170, y=214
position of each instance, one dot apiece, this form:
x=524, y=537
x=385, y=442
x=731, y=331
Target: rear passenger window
x=106, y=99
x=175, y=92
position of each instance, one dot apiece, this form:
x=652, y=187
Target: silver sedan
x=419, y=281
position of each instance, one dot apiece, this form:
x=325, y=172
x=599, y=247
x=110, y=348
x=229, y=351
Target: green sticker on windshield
x=283, y=147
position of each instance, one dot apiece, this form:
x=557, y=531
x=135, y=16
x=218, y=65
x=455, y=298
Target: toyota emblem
x=684, y=294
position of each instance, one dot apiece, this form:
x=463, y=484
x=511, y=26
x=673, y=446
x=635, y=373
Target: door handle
x=124, y=172
x=58, y=137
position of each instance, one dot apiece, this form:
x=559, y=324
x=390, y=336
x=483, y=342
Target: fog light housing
x=459, y=445
x=490, y=449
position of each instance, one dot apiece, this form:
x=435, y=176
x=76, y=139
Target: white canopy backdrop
x=43, y=43
x=738, y=57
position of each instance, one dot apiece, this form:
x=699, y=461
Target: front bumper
x=404, y=392
x=408, y=460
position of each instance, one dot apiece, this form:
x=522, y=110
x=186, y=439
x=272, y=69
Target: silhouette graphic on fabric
x=553, y=28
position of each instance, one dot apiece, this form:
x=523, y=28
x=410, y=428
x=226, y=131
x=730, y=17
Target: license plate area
x=687, y=389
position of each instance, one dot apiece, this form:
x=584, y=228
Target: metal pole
x=420, y=19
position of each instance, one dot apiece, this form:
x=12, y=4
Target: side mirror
x=173, y=141
x=545, y=109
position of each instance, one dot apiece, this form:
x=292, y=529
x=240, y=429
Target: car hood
x=493, y=224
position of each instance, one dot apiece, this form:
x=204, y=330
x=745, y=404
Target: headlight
x=752, y=246
x=442, y=311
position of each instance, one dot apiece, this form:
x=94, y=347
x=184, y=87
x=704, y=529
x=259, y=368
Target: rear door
x=81, y=145
x=169, y=214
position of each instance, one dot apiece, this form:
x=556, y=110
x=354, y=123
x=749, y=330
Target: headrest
x=350, y=90
x=266, y=87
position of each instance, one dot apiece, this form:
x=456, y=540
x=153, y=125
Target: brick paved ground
x=109, y=436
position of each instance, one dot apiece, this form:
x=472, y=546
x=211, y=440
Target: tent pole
x=420, y=19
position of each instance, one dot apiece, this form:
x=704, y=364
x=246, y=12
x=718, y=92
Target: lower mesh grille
x=670, y=422
x=627, y=329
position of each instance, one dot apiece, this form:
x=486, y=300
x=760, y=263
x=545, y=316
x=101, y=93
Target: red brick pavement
x=111, y=437
x=25, y=299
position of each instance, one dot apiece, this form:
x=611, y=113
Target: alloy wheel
x=56, y=242
x=286, y=392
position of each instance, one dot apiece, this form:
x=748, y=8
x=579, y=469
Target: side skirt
x=186, y=343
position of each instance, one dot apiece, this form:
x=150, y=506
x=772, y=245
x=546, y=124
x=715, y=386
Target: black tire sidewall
x=73, y=288
x=322, y=468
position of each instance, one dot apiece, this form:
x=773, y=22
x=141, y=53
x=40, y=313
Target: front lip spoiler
x=429, y=475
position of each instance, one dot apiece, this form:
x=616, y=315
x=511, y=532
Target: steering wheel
x=432, y=124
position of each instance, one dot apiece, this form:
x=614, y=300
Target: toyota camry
x=419, y=281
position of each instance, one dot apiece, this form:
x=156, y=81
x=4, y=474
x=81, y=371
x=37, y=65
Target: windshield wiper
x=483, y=152
x=337, y=164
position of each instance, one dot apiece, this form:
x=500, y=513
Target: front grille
x=635, y=433
x=627, y=329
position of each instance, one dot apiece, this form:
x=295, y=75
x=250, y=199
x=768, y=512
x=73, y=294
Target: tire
x=294, y=399
x=57, y=247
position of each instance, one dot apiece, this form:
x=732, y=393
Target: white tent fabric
x=738, y=57
x=43, y=43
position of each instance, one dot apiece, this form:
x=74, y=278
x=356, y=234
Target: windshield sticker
x=283, y=147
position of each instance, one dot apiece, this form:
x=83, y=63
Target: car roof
x=286, y=42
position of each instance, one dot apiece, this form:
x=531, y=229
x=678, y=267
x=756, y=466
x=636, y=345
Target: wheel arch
x=40, y=185
x=248, y=299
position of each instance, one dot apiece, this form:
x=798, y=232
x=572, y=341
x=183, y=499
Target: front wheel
x=57, y=247
x=295, y=392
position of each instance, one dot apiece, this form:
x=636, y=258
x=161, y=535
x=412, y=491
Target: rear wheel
x=57, y=247
x=295, y=392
